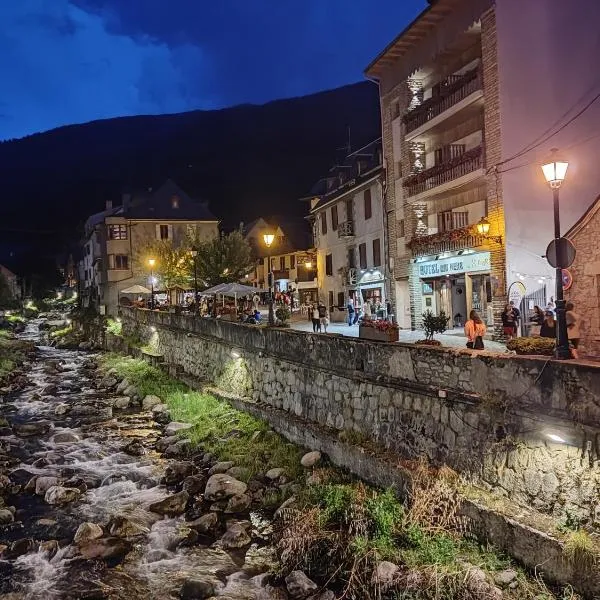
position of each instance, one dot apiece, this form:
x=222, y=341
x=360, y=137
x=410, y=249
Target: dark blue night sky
x=71, y=61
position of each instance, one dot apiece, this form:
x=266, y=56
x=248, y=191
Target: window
x=117, y=232
x=164, y=232
x=324, y=222
x=119, y=262
x=352, y=258
x=292, y=262
x=368, y=211
x=362, y=255
x=447, y=221
x=376, y=253
x=330, y=299
x=401, y=232
x=282, y=263
x=340, y=299
x=328, y=264
x=349, y=210
x=334, y=218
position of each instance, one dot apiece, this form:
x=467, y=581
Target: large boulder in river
x=87, y=532
x=172, y=505
x=65, y=437
x=112, y=549
x=176, y=472
x=173, y=427
x=57, y=494
x=299, y=585
x=235, y=537
x=197, y=589
x=221, y=485
x=43, y=484
x=6, y=516
x=33, y=428
x=92, y=410
x=150, y=401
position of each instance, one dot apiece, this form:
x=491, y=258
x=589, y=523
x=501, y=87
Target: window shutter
x=157, y=232
x=171, y=232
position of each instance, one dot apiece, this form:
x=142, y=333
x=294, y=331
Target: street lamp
x=268, y=239
x=194, y=254
x=555, y=171
x=483, y=229
x=151, y=263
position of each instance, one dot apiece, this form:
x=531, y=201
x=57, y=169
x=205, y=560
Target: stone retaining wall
x=497, y=420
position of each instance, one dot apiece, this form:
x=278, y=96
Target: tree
x=6, y=298
x=433, y=324
x=172, y=265
x=223, y=259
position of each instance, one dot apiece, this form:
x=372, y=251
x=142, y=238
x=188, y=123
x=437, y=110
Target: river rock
x=121, y=402
x=238, y=503
x=299, y=585
x=221, y=467
x=50, y=390
x=86, y=345
x=165, y=442
x=79, y=483
x=505, y=578
x=30, y=486
x=235, y=537
x=194, y=484
x=134, y=448
x=111, y=549
x=240, y=473
x=49, y=548
x=206, y=523
x=62, y=408
x=43, y=484
x=92, y=410
x=131, y=391
x=123, y=526
x=6, y=516
x=385, y=572
x=122, y=386
x=175, y=426
x=171, y=505
x=273, y=474
x=58, y=494
x=324, y=595
x=221, y=486
x=150, y=401
x=159, y=409
x=22, y=546
x=177, y=472
x=196, y=589
x=108, y=382
x=87, y=532
x=30, y=429
x=180, y=448
x=65, y=437
x=310, y=459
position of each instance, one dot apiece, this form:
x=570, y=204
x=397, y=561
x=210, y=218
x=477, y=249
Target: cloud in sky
x=71, y=61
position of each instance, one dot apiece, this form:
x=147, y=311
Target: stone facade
x=523, y=428
x=585, y=290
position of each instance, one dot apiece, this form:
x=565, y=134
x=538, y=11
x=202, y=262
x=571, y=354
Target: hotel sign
x=465, y=263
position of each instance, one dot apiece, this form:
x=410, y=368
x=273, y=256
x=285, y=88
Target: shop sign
x=516, y=292
x=456, y=264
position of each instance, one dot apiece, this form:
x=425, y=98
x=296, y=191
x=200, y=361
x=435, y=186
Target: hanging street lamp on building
x=483, y=229
x=555, y=171
x=151, y=263
x=194, y=255
x=268, y=238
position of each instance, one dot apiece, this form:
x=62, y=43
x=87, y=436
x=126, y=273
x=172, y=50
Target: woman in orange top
x=475, y=330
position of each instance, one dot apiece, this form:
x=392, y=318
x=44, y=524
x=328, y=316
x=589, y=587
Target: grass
x=217, y=427
x=580, y=549
x=58, y=334
x=113, y=326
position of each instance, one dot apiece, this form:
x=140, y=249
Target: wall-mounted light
x=235, y=354
x=118, y=319
x=556, y=438
x=483, y=229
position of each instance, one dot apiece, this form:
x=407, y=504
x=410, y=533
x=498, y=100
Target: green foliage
x=532, y=345
x=218, y=427
x=12, y=354
x=58, y=334
x=579, y=549
x=433, y=324
x=173, y=264
x=223, y=259
x=283, y=314
x=113, y=326
x=423, y=549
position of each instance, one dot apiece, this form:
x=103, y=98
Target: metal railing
x=458, y=166
x=346, y=229
x=454, y=89
x=448, y=241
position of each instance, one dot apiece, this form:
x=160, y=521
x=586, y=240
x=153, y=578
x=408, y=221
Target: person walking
x=537, y=319
x=367, y=309
x=350, y=307
x=548, y=328
x=323, y=319
x=573, y=328
x=475, y=330
x=508, y=322
x=316, y=322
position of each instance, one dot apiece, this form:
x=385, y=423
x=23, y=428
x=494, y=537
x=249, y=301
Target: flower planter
x=371, y=333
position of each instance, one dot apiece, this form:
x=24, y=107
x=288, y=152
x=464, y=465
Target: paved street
x=454, y=340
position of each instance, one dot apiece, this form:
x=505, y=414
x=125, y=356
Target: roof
x=587, y=216
x=296, y=231
x=159, y=205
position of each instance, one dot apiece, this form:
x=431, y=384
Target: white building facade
x=347, y=213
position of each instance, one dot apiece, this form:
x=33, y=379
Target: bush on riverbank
x=218, y=428
x=12, y=354
x=532, y=345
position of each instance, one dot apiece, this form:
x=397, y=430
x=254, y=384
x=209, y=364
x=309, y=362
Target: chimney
x=109, y=205
x=126, y=199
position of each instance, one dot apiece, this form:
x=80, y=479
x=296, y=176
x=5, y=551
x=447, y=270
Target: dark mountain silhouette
x=246, y=161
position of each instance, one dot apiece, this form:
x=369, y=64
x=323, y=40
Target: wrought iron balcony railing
x=346, y=229
x=448, y=241
x=456, y=167
x=453, y=90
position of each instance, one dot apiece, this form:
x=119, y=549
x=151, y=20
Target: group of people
x=319, y=317
x=368, y=310
x=544, y=324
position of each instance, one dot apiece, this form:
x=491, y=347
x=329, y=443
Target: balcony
x=346, y=229
x=447, y=241
x=449, y=170
x=281, y=274
x=453, y=90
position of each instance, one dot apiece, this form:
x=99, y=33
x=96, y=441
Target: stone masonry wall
x=496, y=420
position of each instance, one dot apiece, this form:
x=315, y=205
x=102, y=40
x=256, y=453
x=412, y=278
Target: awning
x=136, y=289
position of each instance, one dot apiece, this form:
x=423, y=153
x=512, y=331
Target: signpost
x=560, y=253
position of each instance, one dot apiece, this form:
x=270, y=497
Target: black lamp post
x=151, y=262
x=268, y=238
x=194, y=255
x=555, y=171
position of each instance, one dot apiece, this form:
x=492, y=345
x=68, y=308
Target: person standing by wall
x=350, y=307
x=323, y=318
x=517, y=314
x=508, y=322
x=548, y=328
x=316, y=323
x=475, y=330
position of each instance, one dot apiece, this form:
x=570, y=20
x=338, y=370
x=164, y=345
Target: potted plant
x=379, y=331
x=283, y=315
x=433, y=324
